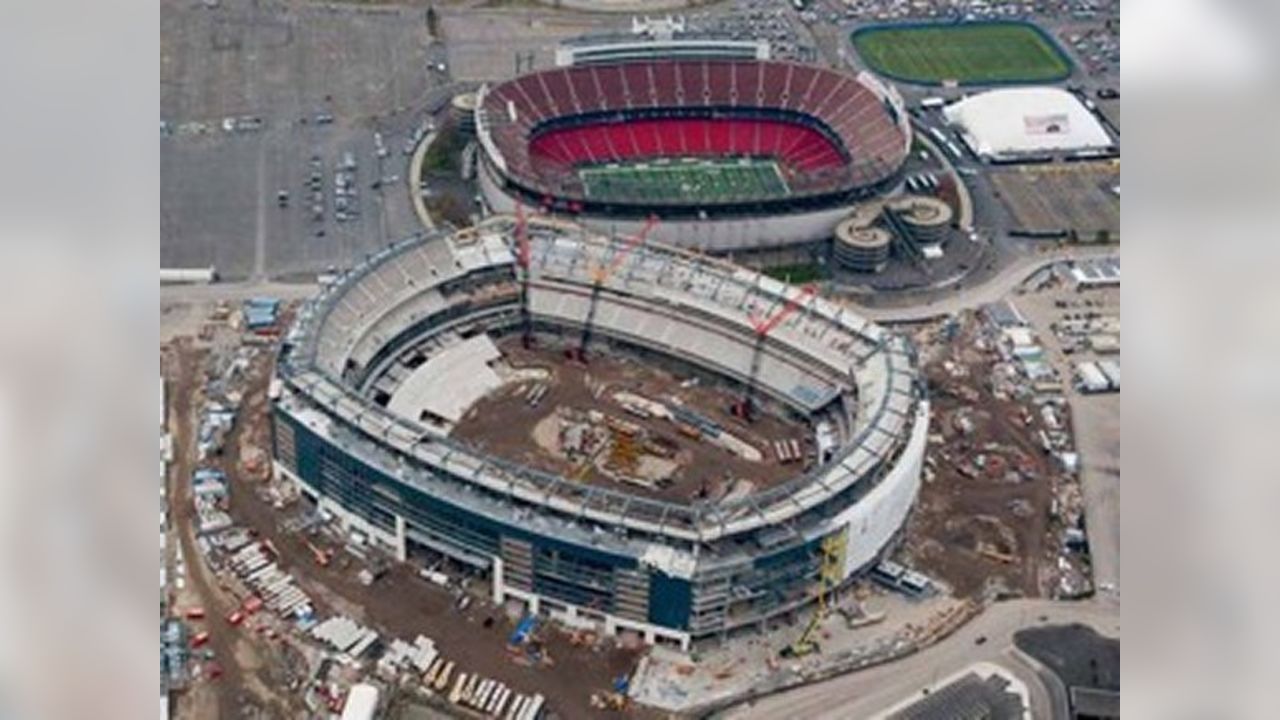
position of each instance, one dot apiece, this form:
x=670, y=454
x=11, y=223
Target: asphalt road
x=964, y=296
x=862, y=694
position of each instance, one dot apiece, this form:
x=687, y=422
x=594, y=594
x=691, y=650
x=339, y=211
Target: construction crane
x=523, y=258
x=601, y=274
x=831, y=569
x=745, y=408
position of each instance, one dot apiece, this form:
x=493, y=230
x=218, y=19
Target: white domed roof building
x=1021, y=123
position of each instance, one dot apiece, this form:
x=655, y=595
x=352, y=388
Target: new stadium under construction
x=684, y=447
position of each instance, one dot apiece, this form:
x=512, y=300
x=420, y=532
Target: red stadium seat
x=800, y=147
x=782, y=104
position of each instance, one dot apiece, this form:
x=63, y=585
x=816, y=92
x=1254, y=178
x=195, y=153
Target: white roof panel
x=1027, y=120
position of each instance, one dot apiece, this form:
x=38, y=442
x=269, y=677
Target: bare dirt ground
x=985, y=528
x=252, y=669
x=503, y=423
x=399, y=604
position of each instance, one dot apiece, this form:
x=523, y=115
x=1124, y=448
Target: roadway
x=953, y=297
x=863, y=694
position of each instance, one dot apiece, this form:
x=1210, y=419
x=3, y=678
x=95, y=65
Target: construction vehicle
x=745, y=408
x=830, y=571
x=601, y=274
x=322, y=557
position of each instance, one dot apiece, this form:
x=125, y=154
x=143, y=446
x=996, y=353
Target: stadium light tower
x=602, y=273
x=745, y=409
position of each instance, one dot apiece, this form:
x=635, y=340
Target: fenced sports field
x=966, y=53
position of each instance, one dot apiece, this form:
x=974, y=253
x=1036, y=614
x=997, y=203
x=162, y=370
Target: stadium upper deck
x=831, y=133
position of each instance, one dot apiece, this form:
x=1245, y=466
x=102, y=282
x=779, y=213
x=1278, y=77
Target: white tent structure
x=1017, y=122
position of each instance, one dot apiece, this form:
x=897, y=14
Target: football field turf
x=689, y=181
x=968, y=53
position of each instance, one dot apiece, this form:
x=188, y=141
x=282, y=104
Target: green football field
x=969, y=53
x=690, y=181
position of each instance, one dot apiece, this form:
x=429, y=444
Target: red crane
x=745, y=409
x=602, y=273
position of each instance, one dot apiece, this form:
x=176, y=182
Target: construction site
x=624, y=423
x=999, y=512
x=278, y=608
x=238, y=652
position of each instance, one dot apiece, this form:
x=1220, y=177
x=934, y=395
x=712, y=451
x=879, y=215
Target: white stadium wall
x=723, y=235
x=872, y=521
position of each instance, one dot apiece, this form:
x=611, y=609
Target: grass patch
x=967, y=53
x=445, y=154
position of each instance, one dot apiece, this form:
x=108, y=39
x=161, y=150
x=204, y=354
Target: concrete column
x=534, y=605
x=650, y=637
x=499, y=587
x=571, y=612
x=610, y=626
x=402, y=547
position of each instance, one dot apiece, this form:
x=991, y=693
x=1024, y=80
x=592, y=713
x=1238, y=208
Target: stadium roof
x=1024, y=121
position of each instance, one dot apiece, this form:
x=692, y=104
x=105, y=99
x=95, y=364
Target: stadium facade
x=676, y=133
x=671, y=571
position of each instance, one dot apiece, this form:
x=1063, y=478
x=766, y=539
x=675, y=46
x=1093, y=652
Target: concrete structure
x=188, y=276
x=1034, y=122
x=463, y=109
x=672, y=572
x=859, y=246
x=924, y=220
x=1096, y=273
x=657, y=39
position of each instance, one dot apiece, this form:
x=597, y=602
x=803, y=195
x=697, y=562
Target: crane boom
x=745, y=408
x=523, y=258
x=792, y=304
x=522, y=237
x=605, y=272
x=602, y=273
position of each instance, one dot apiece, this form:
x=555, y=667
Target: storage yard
x=275, y=559
x=995, y=502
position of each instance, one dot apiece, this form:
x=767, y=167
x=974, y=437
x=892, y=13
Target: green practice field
x=689, y=181
x=969, y=53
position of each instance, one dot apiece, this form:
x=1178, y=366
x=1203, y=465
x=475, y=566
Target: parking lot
x=1079, y=198
x=483, y=45
x=256, y=98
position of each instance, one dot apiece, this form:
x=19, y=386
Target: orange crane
x=523, y=256
x=745, y=409
x=602, y=273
